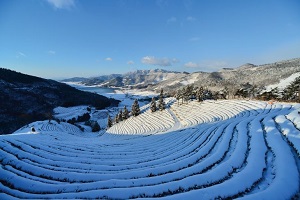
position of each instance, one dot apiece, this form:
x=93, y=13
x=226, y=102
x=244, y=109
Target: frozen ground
x=209, y=150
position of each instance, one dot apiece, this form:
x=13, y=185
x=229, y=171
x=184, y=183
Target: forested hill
x=25, y=98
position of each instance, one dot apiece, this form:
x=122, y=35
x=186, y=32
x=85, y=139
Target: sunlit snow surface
x=214, y=149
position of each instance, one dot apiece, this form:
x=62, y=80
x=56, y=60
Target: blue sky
x=67, y=38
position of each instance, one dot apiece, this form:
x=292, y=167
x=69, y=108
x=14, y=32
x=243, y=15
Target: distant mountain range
x=139, y=78
x=25, y=98
x=259, y=75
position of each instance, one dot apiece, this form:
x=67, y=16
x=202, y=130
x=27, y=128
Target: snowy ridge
x=214, y=149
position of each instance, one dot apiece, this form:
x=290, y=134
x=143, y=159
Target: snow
x=69, y=112
x=283, y=83
x=173, y=83
x=287, y=176
x=192, y=79
x=208, y=150
x=289, y=126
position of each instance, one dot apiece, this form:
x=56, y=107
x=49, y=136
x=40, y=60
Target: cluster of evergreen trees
x=161, y=103
x=124, y=114
x=190, y=92
x=135, y=110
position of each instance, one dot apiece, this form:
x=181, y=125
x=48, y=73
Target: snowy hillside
x=209, y=150
x=283, y=83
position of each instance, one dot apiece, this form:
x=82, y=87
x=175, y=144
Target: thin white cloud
x=130, y=62
x=108, y=59
x=191, y=19
x=163, y=62
x=172, y=20
x=62, y=4
x=51, y=52
x=20, y=54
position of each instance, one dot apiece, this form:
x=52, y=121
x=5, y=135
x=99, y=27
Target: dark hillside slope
x=25, y=98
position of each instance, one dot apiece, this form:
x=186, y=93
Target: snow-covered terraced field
x=216, y=149
x=145, y=123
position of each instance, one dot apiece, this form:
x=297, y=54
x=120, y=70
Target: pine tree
x=109, y=122
x=120, y=115
x=182, y=95
x=226, y=92
x=125, y=113
x=199, y=94
x=178, y=95
x=117, y=118
x=153, y=105
x=161, y=103
x=189, y=92
x=49, y=115
x=186, y=95
x=135, y=109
